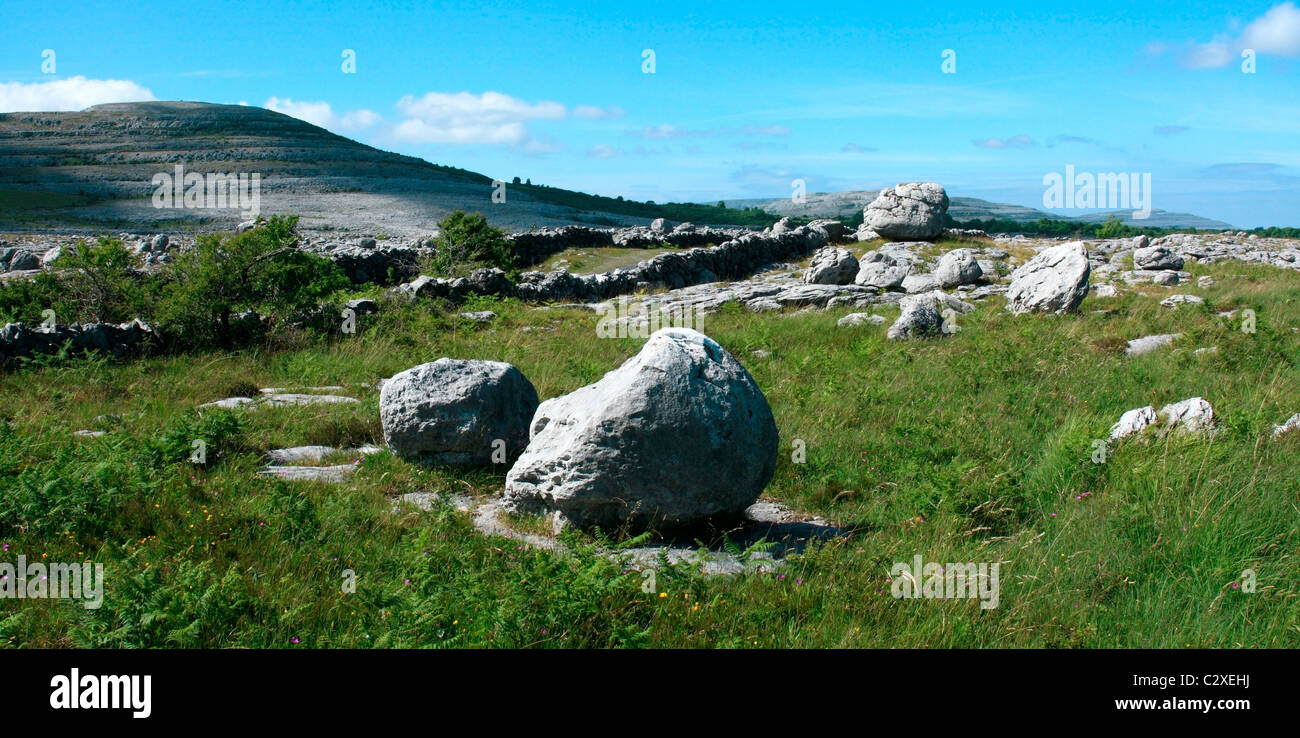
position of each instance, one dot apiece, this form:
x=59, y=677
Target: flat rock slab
x=285, y=399
x=279, y=400
x=333, y=474
x=787, y=531
x=1147, y=344
x=312, y=455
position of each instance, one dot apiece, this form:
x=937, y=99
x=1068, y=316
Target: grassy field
x=597, y=260
x=973, y=448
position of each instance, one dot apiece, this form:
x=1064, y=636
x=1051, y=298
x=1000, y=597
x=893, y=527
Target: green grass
x=597, y=260
x=975, y=448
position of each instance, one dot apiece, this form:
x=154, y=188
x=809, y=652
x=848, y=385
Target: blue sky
x=744, y=98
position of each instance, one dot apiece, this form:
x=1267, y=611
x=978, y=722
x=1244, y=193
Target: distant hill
x=848, y=203
x=94, y=168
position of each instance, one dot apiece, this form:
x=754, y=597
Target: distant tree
x=516, y=181
x=722, y=204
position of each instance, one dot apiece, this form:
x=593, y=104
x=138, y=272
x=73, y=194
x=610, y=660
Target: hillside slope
x=95, y=168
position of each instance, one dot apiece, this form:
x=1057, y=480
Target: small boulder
x=861, y=319
x=1193, y=415
x=1156, y=257
x=831, y=265
x=880, y=271
x=958, y=267
x=457, y=412
x=916, y=321
x=1133, y=422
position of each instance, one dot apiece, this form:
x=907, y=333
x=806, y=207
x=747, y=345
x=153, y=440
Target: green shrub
x=104, y=283
x=467, y=242
x=225, y=277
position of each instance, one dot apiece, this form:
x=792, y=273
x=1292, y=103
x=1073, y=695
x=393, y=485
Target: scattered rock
x=861, y=319
x=1104, y=290
x=1147, y=344
x=916, y=283
x=916, y=321
x=1133, y=422
x=230, y=403
x=482, y=316
x=1173, y=301
x=1166, y=278
x=1291, y=424
x=881, y=271
x=332, y=474
x=1156, y=257
x=1193, y=415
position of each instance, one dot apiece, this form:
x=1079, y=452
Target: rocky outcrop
x=1132, y=423
x=1188, y=417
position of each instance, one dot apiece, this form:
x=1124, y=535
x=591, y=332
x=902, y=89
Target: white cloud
x=664, y=131
x=461, y=118
x=1015, y=142
x=668, y=131
x=1210, y=55
x=464, y=118
x=601, y=151
x=73, y=93
x=591, y=112
x=321, y=114
x=1275, y=32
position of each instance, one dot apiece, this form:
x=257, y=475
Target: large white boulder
x=679, y=433
x=1054, y=281
x=908, y=212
